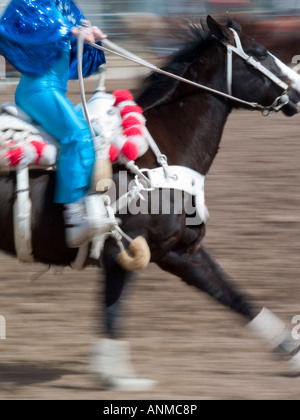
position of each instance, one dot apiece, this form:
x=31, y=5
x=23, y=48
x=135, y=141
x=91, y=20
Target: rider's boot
x=86, y=219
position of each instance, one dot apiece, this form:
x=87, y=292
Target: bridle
x=238, y=49
x=277, y=105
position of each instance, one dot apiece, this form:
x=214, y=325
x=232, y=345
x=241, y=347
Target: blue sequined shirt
x=35, y=33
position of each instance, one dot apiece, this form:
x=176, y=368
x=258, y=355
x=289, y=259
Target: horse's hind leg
x=110, y=359
x=202, y=271
x=199, y=269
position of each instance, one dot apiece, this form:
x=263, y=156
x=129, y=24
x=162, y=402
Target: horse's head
x=253, y=73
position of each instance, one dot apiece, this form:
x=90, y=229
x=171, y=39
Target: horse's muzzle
x=291, y=108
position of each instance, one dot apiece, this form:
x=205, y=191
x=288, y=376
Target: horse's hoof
x=129, y=384
x=294, y=364
x=111, y=365
x=118, y=383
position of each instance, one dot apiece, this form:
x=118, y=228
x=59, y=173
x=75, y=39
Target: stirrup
x=87, y=219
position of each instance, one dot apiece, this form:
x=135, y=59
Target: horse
x=187, y=123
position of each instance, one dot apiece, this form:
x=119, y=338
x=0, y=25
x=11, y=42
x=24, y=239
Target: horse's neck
x=188, y=127
x=189, y=130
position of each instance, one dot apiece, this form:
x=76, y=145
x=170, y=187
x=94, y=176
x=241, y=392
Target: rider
x=39, y=38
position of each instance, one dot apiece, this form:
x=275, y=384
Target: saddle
x=118, y=122
x=22, y=142
x=116, y=119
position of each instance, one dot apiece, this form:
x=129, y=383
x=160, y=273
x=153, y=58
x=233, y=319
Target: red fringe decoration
x=130, y=150
x=113, y=153
x=131, y=122
x=133, y=127
x=128, y=109
x=121, y=96
x=39, y=147
x=14, y=155
x=133, y=131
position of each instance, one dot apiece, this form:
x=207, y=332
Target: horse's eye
x=259, y=53
x=263, y=55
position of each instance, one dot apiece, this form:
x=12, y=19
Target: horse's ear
x=219, y=31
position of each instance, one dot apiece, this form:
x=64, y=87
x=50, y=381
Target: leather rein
x=279, y=102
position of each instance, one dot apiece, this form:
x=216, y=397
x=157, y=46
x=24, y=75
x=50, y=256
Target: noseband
x=238, y=49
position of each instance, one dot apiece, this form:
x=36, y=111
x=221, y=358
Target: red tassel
x=14, y=155
x=121, y=96
x=130, y=150
x=133, y=131
x=130, y=122
x=113, y=153
x=128, y=109
x=39, y=147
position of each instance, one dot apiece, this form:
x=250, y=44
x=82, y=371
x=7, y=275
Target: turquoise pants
x=44, y=99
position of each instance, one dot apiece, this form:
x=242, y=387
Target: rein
x=279, y=102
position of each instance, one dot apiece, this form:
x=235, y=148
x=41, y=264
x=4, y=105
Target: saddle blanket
x=116, y=119
x=21, y=142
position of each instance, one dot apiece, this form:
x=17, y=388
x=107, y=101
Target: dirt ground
x=191, y=345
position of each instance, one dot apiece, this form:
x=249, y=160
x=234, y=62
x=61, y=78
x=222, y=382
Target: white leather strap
x=239, y=50
x=22, y=217
x=182, y=179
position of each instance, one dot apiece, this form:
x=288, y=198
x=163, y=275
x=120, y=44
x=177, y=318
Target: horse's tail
x=138, y=256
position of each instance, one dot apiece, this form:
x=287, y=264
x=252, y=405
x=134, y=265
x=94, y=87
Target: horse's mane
x=157, y=88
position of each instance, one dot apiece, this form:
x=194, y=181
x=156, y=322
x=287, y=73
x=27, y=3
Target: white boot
x=278, y=336
x=86, y=219
x=110, y=361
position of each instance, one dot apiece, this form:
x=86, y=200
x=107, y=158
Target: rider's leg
x=57, y=116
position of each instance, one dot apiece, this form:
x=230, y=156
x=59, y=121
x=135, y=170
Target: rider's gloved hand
x=90, y=34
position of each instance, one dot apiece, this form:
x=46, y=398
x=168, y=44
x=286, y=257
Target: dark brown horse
x=187, y=124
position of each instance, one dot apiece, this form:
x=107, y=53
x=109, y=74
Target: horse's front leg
x=111, y=360
x=198, y=268
x=116, y=280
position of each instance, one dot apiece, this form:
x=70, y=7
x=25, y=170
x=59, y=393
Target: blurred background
x=149, y=27
x=192, y=346
x=152, y=24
